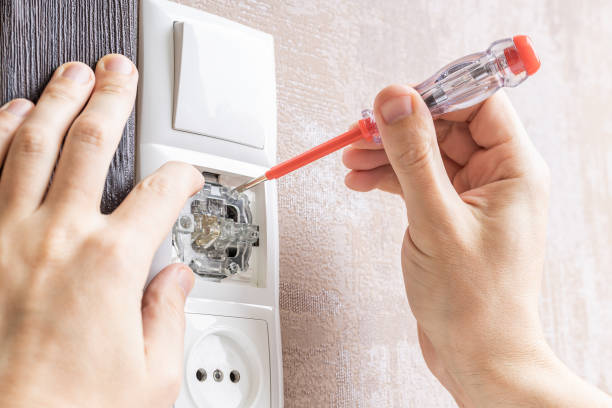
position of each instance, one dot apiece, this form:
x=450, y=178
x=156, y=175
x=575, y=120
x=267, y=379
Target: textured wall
x=348, y=337
x=36, y=36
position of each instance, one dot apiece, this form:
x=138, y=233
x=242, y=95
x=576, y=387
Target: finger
x=367, y=145
x=496, y=122
x=360, y=159
x=382, y=178
x=506, y=151
x=408, y=135
x=94, y=136
x=455, y=140
x=33, y=152
x=163, y=324
x=462, y=115
x=450, y=166
x=12, y=114
x=461, y=181
x=150, y=210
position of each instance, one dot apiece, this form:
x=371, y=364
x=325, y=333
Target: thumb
x=163, y=323
x=409, y=139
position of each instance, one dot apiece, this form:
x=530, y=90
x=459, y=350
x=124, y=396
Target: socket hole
x=201, y=375
x=218, y=375
x=235, y=376
x=232, y=212
x=231, y=252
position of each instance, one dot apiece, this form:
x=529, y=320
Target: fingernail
x=185, y=279
x=396, y=109
x=77, y=72
x=18, y=107
x=117, y=63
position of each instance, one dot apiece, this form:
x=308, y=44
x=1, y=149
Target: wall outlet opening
x=217, y=233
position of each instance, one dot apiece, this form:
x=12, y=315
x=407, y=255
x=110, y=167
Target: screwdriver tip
x=249, y=184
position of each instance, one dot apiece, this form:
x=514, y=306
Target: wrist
x=509, y=378
x=533, y=377
x=500, y=357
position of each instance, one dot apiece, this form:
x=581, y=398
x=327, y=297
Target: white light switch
x=224, y=82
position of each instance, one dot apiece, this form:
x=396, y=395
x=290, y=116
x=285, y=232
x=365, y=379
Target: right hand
x=476, y=195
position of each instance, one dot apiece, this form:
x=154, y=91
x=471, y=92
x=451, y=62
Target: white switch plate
x=222, y=314
x=233, y=97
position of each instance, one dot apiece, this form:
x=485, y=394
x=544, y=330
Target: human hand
x=476, y=195
x=75, y=326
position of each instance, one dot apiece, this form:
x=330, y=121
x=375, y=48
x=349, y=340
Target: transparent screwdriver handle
x=460, y=84
x=472, y=79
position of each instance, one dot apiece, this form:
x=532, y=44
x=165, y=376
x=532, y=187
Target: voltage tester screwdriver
x=461, y=84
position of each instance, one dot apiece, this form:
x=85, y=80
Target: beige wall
x=348, y=337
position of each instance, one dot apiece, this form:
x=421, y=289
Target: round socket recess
x=224, y=350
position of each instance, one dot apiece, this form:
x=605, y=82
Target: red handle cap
x=526, y=53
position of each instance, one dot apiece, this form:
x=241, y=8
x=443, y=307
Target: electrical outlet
x=227, y=363
x=191, y=65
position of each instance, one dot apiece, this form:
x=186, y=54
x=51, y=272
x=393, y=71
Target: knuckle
x=151, y=301
x=111, y=248
x=112, y=253
x=5, y=130
x=88, y=130
x=414, y=156
x=112, y=83
x=162, y=304
x=157, y=184
x=112, y=87
x=53, y=243
x=59, y=92
x=31, y=139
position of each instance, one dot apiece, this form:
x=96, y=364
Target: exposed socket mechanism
x=214, y=233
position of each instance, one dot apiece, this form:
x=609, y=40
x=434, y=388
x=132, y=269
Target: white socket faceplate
x=233, y=135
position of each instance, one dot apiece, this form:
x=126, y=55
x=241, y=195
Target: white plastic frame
x=158, y=143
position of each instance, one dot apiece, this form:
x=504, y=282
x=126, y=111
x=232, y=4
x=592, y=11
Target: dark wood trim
x=36, y=36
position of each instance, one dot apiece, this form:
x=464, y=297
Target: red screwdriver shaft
x=366, y=129
x=313, y=154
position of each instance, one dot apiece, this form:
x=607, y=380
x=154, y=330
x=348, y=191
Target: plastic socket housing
x=214, y=234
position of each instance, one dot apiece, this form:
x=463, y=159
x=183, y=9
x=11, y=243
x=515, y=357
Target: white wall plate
x=224, y=366
x=239, y=313
x=234, y=96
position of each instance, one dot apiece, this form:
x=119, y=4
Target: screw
x=185, y=222
x=233, y=267
x=218, y=375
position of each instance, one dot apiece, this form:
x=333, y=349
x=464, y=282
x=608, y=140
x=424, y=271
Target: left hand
x=76, y=329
